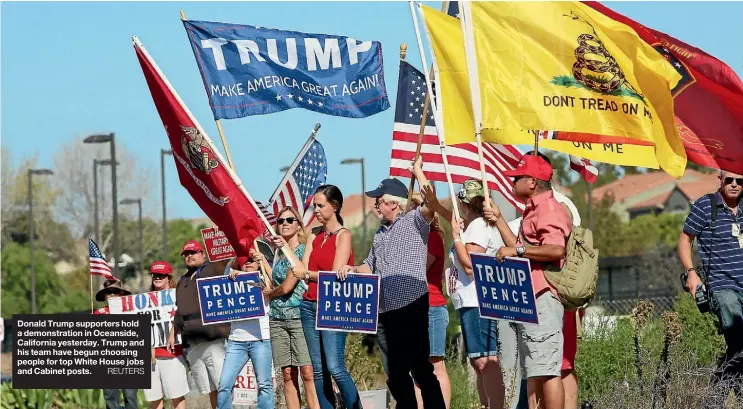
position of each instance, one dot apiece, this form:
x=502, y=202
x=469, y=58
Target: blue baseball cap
x=389, y=186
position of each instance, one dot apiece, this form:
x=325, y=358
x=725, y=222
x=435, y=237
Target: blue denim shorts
x=438, y=320
x=480, y=334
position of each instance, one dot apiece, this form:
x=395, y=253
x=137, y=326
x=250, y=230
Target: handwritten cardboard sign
x=158, y=304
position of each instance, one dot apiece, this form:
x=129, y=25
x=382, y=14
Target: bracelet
x=458, y=240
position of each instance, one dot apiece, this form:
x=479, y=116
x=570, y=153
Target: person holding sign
x=249, y=339
x=329, y=247
x=542, y=238
x=480, y=334
x=169, y=369
x=570, y=321
x=112, y=289
x=399, y=255
x=205, y=349
x=287, y=336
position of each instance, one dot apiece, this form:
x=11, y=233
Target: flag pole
x=437, y=119
x=219, y=124
x=91, y=292
x=403, y=52
x=470, y=57
x=208, y=140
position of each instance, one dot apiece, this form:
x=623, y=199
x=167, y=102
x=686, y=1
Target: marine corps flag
x=201, y=170
x=708, y=101
x=572, y=69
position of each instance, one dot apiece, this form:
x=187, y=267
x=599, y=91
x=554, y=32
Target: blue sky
x=69, y=68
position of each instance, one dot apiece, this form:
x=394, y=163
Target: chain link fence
x=624, y=307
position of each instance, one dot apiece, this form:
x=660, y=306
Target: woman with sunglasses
x=248, y=340
x=289, y=347
x=329, y=247
x=169, y=370
x=480, y=334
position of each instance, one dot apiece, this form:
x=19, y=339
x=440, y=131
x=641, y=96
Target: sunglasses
x=461, y=195
x=159, y=276
x=190, y=253
x=250, y=261
x=289, y=220
x=738, y=181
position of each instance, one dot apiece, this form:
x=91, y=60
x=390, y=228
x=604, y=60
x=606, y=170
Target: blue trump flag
x=224, y=300
x=351, y=305
x=504, y=289
x=256, y=70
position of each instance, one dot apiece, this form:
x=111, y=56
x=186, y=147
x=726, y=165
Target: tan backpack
x=576, y=280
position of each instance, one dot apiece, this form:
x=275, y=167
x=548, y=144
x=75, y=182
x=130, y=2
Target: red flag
x=201, y=169
x=708, y=101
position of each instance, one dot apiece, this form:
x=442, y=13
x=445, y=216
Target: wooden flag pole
x=219, y=124
x=411, y=187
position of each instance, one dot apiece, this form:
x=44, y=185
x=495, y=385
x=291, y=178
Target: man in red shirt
x=543, y=236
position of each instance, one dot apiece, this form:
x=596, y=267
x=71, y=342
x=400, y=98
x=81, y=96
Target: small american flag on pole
x=98, y=265
x=305, y=175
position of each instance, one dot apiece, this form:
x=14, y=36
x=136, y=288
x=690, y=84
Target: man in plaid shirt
x=398, y=255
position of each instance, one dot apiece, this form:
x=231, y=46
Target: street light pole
x=96, y=227
x=164, y=152
x=351, y=161
x=138, y=202
x=31, y=173
x=96, y=216
x=103, y=138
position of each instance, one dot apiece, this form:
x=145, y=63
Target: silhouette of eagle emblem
x=197, y=151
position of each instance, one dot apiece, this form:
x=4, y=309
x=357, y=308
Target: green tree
x=52, y=294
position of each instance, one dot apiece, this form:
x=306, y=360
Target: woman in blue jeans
x=329, y=248
x=249, y=340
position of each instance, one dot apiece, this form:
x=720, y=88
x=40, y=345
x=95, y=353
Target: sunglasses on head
x=738, y=181
x=159, y=276
x=289, y=220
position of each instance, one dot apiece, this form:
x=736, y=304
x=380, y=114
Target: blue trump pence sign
x=225, y=300
x=351, y=305
x=504, y=289
x=251, y=70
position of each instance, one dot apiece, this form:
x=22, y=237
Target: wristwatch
x=520, y=250
x=307, y=276
x=685, y=277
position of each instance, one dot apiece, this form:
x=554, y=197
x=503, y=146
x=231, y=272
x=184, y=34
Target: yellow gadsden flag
x=558, y=66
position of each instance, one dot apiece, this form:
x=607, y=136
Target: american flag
x=463, y=159
x=98, y=265
x=302, y=179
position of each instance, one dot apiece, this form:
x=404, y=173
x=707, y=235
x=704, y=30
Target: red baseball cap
x=192, y=245
x=532, y=166
x=161, y=267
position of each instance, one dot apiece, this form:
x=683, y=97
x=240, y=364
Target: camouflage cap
x=471, y=188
